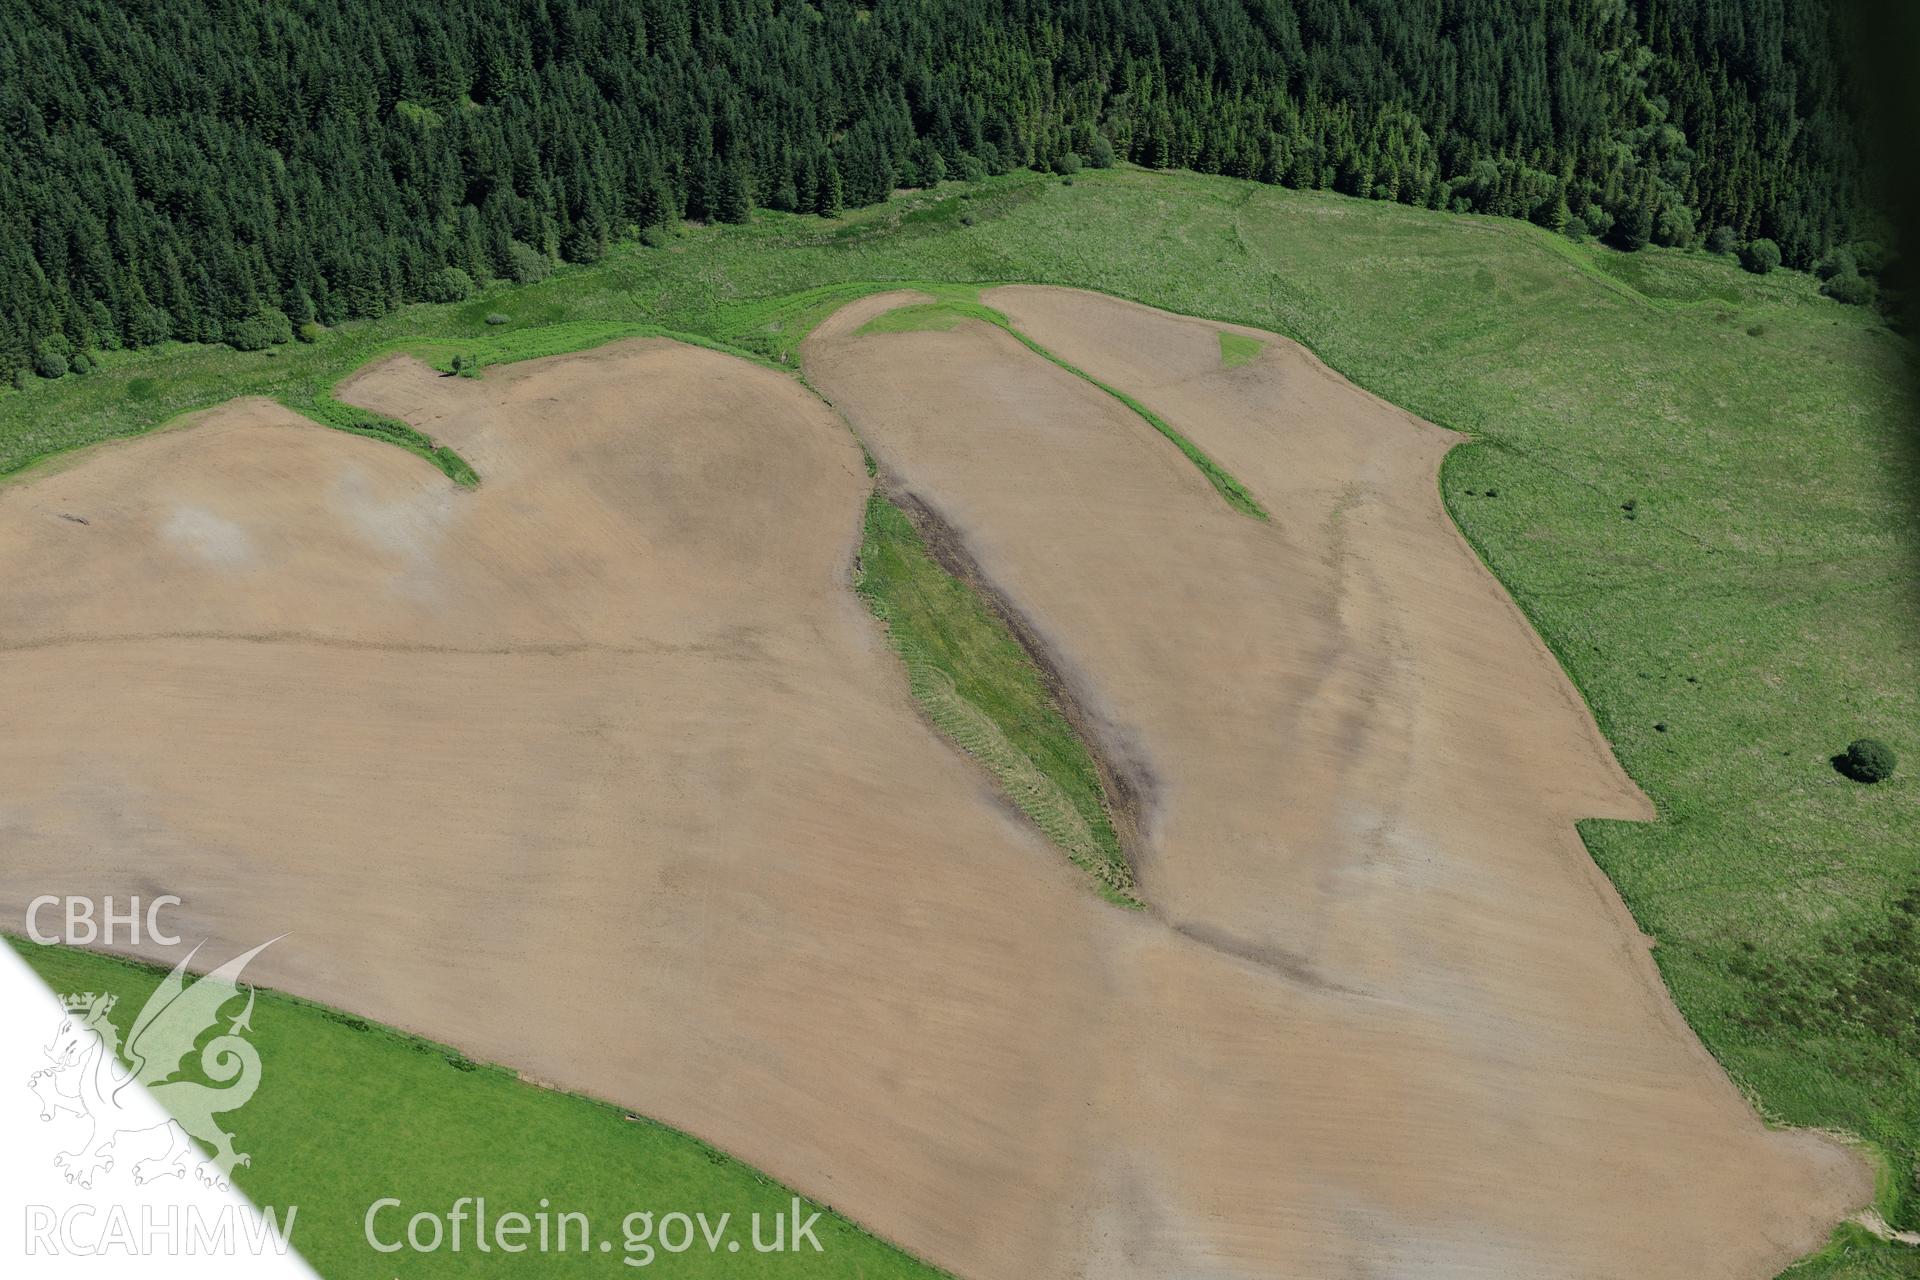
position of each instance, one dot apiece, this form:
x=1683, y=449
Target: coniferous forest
x=218, y=170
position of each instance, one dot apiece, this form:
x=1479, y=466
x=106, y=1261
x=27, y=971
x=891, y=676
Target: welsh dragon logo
x=92, y=1077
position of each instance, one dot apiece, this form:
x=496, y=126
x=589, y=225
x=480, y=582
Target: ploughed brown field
x=603, y=772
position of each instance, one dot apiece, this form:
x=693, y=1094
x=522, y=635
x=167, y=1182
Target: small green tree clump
x=249, y=335
x=1840, y=262
x=1673, y=226
x=526, y=264
x=448, y=284
x=1068, y=164
x=49, y=363
x=1870, y=256
x=1100, y=153
x=149, y=325
x=496, y=318
x=1721, y=240
x=1760, y=256
x=1867, y=760
x=1852, y=288
x=310, y=332
x=267, y=328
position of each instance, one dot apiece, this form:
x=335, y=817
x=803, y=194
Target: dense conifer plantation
x=217, y=170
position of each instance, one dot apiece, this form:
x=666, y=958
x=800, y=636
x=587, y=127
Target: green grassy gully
x=349, y=1112
x=978, y=686
x=1745, y=619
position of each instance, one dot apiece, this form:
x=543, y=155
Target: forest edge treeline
x=231, y=173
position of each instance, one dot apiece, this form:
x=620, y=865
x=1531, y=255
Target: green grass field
x=349, y=1113
x=1747, y=616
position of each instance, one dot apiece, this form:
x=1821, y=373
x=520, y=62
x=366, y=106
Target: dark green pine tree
x=732, y=199
x=329, y=160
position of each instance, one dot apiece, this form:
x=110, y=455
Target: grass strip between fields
x=349, y=1111
x=980, y=688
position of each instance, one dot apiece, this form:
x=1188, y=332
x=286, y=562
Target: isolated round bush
x=448, y=284
x=80, y=363
x=1068, y=164
x=310, y=332
x=49, y=363
x=1760, y=256
x=1100, y=154
x=1868, y=760
x=494, y=317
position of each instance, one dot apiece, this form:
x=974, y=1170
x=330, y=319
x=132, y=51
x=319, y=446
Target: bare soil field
x=601, y=771
x=1359, y=770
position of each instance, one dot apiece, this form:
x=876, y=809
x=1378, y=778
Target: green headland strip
x=948, y=312
x=323, y=408
x=350, y=1112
